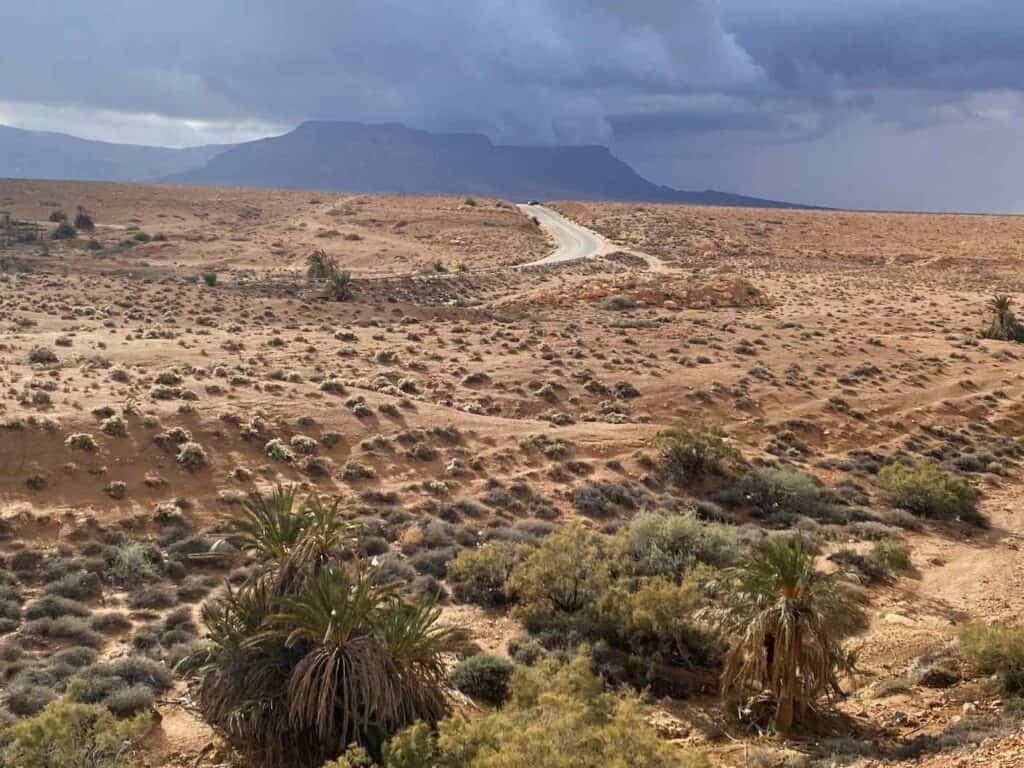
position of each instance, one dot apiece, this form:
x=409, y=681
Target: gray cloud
x=535, y=69
x=683, y=87
x=945, y=45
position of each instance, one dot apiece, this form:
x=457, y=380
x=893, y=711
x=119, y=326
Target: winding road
x=572, y=242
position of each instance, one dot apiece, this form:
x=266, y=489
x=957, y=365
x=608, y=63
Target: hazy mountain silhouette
x=356, y=157
x=41, y=155
x=391, y=158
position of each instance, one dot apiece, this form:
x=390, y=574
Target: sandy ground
x=811, y=337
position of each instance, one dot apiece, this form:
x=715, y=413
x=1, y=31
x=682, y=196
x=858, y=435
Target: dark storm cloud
x=911, y=44
x=555, y=66
x=909, y=62
x=529, y=70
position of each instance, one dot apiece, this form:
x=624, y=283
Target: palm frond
x=326, y=532
x=266, y=527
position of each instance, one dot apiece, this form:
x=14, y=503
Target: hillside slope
x=42, y=155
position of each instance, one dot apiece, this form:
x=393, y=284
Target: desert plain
x=456, y=398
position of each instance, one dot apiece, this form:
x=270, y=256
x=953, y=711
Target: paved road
x=572, y=242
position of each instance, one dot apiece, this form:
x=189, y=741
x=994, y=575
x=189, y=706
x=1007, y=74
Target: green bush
x=76, y=585
x=278, y=450
x=525, y=650
x=131, y=700
x=84, y=222
x=927, y=490
x=130, y=670
x=81, y=441
x=996, y=649
x=560, y=582
x=65, y=628
x=653, y=620
x=132, y=564
x=110, y=621
x=354, y=757
x=668, y=545
x=53, y=606
x=484, y=677
x=210, y=278
x=153, y=597
x=116, y=489
x=26, y=698
x=634, y=596
x=303, y=444
x=891, y=555
x=64, y=231
x=73, y=735
x=115, y=426
x=688, y=453
x=192, y=456
x=319, y=265
x=617, y=303
x=479, y=575
x=769, y=491
x=11, y=609
x=557, y=715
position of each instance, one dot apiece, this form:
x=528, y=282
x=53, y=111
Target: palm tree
x=312, y=653
x=1004, y=325
x=319, y=265
x=373, y=663
x=339, y=284
x=786, y=622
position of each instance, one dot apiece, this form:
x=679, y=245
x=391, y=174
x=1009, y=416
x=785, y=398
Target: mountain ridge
x=52, y=155
x=382, y=158
x=391, y=158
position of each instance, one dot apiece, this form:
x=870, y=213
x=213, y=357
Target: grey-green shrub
x=996, y=649
x=927, y=490
x=479, y=575
x=484, y=676
x=668, y=545
x=769, y=491
x=689, y=453
x=557, y=715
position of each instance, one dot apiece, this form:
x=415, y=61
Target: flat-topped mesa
x=393, y=158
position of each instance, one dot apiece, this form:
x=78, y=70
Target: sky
x=878, y=104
